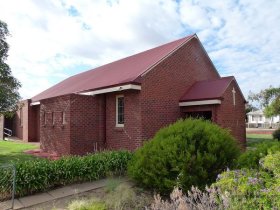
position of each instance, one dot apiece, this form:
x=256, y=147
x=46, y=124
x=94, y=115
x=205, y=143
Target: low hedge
x=40, y=175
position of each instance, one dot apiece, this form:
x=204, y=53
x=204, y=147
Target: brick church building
x=123, y=103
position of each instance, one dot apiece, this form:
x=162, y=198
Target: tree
x=269, y=99
x=9, y=95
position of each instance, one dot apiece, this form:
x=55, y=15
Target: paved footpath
x=28, y=201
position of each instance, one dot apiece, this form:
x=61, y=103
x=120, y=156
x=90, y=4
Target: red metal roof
x=207, y=89
x=123, y=71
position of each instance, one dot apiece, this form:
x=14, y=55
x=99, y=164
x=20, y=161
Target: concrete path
x=74, y=189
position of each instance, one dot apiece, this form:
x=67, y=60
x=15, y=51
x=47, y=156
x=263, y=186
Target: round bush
x=276, y=134
x=188, y=152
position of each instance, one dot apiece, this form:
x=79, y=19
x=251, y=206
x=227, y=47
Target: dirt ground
x=137, y=200
x=62, y=203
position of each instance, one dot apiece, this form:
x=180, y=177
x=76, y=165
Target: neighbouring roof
x=124, y=71
x=258, y=112
x=207, y=89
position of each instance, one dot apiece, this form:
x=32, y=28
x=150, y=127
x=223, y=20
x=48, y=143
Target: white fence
x=263, y=125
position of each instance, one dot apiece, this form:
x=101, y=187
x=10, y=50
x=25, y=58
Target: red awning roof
x=207, y=89
x=120, y=72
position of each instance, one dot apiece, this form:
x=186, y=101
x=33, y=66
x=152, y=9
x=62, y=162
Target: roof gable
x=207, y=89
x=123, y=71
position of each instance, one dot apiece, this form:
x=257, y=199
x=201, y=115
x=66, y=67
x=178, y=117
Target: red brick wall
x=163, y=86
x=20, y=130
x=84, y=129
x=55, y=137
x=233, y=117
x=128, y=137
x=86, y=124
x=34, y=123
x=28, y=130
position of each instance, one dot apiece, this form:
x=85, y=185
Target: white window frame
x=117, y=111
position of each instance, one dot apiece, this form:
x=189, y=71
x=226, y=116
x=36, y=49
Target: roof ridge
x=185, y=40
x=122, y=71
x=136, y=54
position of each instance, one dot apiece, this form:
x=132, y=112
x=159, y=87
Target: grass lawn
x=253, y=139
x=11, y=151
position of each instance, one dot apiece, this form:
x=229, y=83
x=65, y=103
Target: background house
x=123, y=103
x=257, y=119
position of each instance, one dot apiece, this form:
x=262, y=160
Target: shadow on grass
x=253, y=139
x=14, y=151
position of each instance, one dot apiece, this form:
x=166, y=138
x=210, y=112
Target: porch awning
x=206, y=92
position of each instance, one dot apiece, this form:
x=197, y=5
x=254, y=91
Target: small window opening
x=120, y=111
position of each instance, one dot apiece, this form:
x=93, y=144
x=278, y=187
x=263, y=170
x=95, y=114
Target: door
x=206, y=115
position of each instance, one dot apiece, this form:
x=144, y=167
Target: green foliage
x=272, y=163
x=251, y=158
x=40, y=175
x=251, y=188
x=124, y=196
x=269, y=99
x=9, y=85
x=112, y=184
x=273, y=108
x=189, y=152
x=276, y=134
x=92, y=204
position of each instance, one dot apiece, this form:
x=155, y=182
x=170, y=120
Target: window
x=63, y=118
x=261, y=118
x=53, y=118
x=120, y=111
x=44, y=118
x=253, y=118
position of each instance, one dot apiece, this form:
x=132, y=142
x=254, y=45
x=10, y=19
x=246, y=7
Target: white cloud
x=51, y=40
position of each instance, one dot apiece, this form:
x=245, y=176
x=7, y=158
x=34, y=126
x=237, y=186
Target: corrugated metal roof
x=123, y=71
x=207, y=89
x=257, y=112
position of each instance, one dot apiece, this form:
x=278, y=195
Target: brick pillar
x=1, y=127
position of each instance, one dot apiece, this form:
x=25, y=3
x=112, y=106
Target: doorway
x=206, y=115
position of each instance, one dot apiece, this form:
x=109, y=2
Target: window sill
x=120, y=129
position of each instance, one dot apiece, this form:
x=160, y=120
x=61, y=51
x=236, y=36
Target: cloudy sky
x=54, y=39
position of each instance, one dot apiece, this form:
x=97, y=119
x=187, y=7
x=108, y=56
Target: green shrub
x=123, y=196
x=276, y=134
x=251, y=158
x=92, y=204
x=272, y=163
x=251, y=188
x=189, y=152
x=41, y=174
